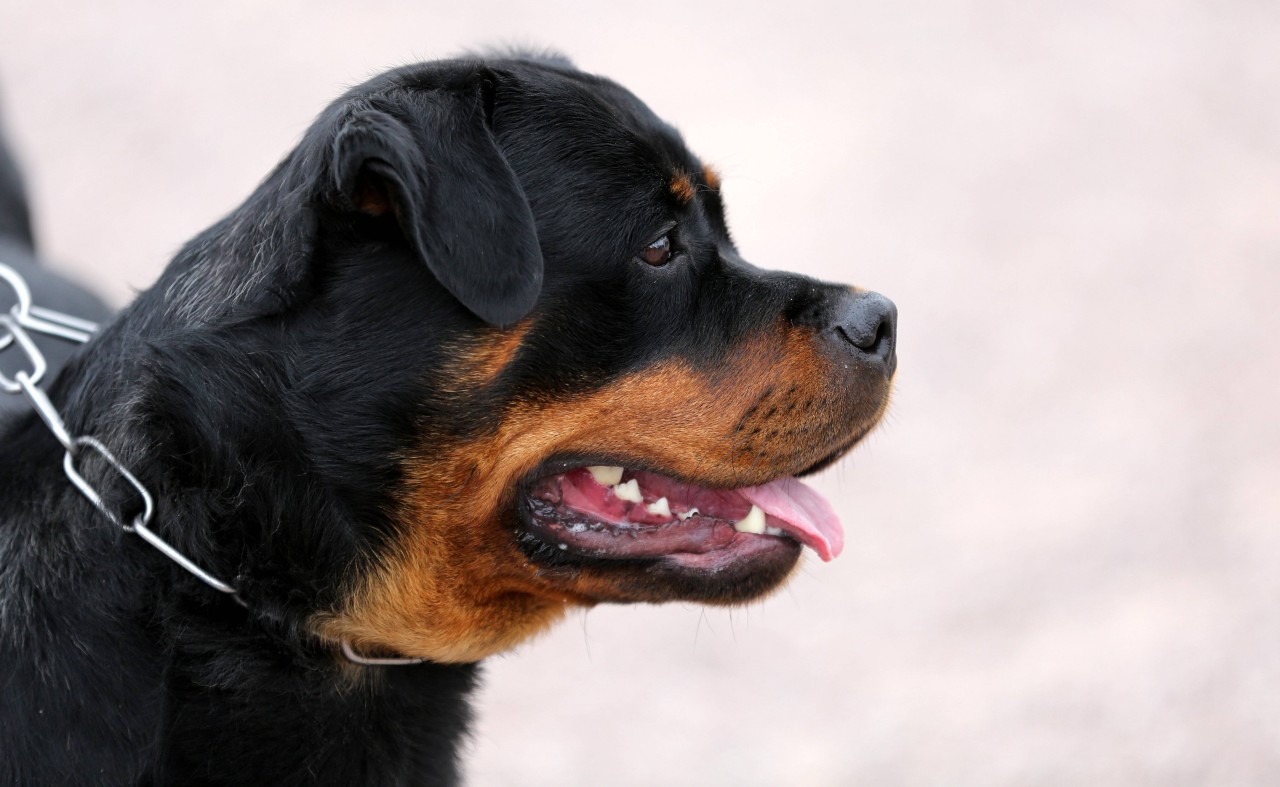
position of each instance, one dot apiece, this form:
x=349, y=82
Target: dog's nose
x=867, y=323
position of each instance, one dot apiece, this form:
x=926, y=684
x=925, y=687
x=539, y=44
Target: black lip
x=544, y=553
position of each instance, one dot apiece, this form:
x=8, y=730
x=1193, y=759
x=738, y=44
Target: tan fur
x=712, y=177
x=682, y=187
x=481, y=360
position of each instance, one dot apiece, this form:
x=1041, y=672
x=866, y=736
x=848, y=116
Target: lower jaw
x=738, y=568
x=698, y=579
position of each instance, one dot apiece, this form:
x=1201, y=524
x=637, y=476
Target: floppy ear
x=455, y=197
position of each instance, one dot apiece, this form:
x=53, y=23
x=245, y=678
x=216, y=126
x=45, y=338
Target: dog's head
x=533, y=366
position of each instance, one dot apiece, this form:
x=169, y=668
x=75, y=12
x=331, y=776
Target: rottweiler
x=479, y=350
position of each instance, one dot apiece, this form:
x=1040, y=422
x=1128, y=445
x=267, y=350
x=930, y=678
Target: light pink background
x=1064, y=546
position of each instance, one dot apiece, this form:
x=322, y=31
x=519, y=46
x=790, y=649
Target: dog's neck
x=193, y=673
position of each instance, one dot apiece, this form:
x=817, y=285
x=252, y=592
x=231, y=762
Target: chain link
x=15, y=333
x=16, y=327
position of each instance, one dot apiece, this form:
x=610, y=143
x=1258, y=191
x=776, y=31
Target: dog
x=479, y=350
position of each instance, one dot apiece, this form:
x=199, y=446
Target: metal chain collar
x=16, y=327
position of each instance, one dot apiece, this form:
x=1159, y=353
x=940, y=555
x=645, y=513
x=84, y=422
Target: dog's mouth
x=616, y=513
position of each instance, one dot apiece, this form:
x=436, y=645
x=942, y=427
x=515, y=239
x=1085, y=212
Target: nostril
x=865, y=340
x=868, y=322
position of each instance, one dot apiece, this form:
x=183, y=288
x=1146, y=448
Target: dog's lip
x=566, y=505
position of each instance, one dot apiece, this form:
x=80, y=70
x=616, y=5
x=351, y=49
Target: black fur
x=264, y=386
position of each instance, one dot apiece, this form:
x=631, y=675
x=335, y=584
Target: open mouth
x=612, y=512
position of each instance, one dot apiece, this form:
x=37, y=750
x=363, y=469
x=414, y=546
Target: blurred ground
x=1064, y=552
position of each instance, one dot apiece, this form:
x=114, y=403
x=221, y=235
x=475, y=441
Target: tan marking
x=457, y=588
x=712, y=176
x=481, y=359
x=682, y=187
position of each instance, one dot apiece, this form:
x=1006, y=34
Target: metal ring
x=23, y=293
x=23, y=307
x=375, y=662
x=86, y=489
x=39, y=367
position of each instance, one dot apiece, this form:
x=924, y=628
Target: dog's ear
x=458, y=203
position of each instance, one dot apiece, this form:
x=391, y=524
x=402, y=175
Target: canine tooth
x=773, y=531
x=605, y=475
x=629, y=491
x=659, y=507
x=688, y=513
x=753, y=522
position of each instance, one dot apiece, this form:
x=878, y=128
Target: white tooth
x=629, y=491
x=773, y=531
x=753, y=522
x=659, y=507
x=688, y=513
x=605, y=475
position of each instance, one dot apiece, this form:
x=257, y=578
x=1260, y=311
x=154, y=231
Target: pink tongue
x=810, y=519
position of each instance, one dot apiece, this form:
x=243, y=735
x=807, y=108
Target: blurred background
x=1063, y=561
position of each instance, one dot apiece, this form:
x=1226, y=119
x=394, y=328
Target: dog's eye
x=658, y=253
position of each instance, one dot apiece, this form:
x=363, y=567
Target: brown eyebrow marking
x=712, y=176
x=682, y=186
x=480, y=361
